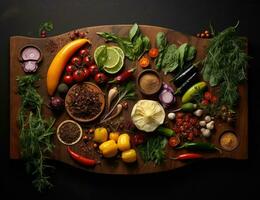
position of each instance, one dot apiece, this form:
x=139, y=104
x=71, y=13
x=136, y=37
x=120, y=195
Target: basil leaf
x=138, y=46
x=134, y=31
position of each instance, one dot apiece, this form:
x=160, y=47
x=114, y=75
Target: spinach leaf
x=161, y=41
x=134, y=31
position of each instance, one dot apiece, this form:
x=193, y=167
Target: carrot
x=144, y=62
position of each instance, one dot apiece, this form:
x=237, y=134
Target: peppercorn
x=91, y=131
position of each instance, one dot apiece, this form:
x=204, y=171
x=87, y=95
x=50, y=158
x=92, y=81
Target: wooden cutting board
x=50, y=46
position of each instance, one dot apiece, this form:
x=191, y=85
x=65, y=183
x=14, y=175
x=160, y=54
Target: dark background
x=215, y=179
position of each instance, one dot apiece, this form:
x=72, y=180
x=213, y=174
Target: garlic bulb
x=147, y=115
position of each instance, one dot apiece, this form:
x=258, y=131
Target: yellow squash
x=58, y=63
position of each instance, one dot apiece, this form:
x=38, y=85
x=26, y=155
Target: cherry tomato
x=207, y=96
x=153, y=52
x=137, y=139
x=205, y=102
x=86, y=72
x=87, y=60
x=144, y=62
x=70, y=69
x=174, y=141
x=68, y=79
x=93, y=69
x=214, y=99
x=78, y=75
x=100, y=78
x=83, y=52
x=76, y=60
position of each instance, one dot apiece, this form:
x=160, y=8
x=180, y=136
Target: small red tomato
x=83, y=52
x=78, y=75
x=137, y=139
x=76, y=60
x=207, y=96
x=93, y=69
x=153, y=52
x=174, y=141
x=100, y=78
x=214, y=99
x=205, y=102
x=87, y=60
x=86, y=72
x=68, y=79
x=70, y=69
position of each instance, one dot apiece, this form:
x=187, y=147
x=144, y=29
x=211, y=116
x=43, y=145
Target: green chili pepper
x=165, y=131
x=199, y=146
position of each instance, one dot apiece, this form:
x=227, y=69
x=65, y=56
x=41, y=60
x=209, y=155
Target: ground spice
x=149, y=83
x=84, y=102
x=229, y=141
x=69, y=132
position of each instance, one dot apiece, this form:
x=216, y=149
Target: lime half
x=120, y=51
x=115, y=69
x=97, y=52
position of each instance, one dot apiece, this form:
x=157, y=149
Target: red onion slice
x=30, y=66
x=31, y=53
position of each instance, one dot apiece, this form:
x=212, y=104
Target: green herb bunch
x=35, y=132
x=225, y=65
x=153, y=149
x=134, y=46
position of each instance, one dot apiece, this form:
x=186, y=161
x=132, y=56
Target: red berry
x=68, y=79
x=205, y=102
x=76, y=60
x=83, y=52
x=78, y=75
x=70, y=69
x=87, y=60
x=93, y=69
x=100, y=78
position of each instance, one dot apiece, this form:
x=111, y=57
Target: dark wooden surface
x=116, y=167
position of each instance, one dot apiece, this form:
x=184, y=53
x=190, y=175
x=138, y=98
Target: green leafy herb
x=154, y=149
x=46, y=26
x=134, y=46
x=170, y=57
x=35, y=132
x=225, y=65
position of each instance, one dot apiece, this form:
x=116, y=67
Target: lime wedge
x=120, y=51
x=115, y=69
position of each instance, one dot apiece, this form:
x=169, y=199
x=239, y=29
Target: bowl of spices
x=69, y=132
x=149, y=82
x=228, y=141
x=85, y=102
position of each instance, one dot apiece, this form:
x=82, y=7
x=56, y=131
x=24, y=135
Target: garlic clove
x=207, y=118
x=198, y=112
x=171, y=116
x=210, y=125
x=202, y=123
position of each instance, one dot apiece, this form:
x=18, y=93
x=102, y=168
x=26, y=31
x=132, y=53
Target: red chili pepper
x=123, y=76
x=188, y=156
x=81, y=159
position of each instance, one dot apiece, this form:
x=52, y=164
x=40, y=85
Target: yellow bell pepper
x=123, y=142
x=114, y=136
x=108, y=148
x=129, y=156
x=100, y=135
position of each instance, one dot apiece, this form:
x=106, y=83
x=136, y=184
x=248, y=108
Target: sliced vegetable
x=166, y=96
x=174, y=141
x=144, y=62
x=153, y=52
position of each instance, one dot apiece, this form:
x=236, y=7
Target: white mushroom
x=210, y=125
x=202, y=123
x=205, y=132
x=171, y=116
x=207, y=118
x=198, y=112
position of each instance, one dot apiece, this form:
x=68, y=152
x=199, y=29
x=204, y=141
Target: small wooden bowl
x=58, y=131
x=95, y=89
x=149, y=71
